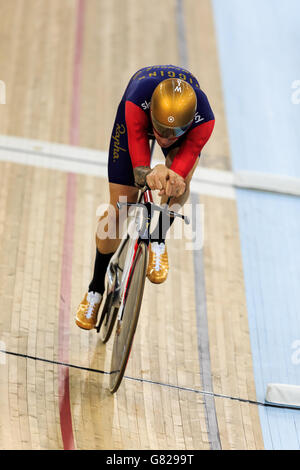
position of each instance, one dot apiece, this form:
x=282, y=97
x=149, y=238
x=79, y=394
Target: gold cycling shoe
x=158, y=266
x=86, y=316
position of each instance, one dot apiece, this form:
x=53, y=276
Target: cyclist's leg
x=108, y=230
x=107, y=241
x=120, y=175
x=108, y=238
x=121, y=183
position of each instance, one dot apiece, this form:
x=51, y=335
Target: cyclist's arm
x=190, y=149
x=137, y=124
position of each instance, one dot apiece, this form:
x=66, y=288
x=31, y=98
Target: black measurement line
x=34, y=358
x=153, y=382
x=216, y=395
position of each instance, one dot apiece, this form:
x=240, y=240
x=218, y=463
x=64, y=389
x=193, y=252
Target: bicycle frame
x=115, y=283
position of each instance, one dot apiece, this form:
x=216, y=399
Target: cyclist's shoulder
x=203, y=104
x=144, y=81
x=141, y=86
x=158, y=73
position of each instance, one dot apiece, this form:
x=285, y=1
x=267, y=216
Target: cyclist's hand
x=166, y=181
x=158, y=177
x=175, y=185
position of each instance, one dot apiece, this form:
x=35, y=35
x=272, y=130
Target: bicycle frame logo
x=2, y=92
x=192, y=234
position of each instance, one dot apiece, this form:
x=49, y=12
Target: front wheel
x=126, y=326
x=109, y=314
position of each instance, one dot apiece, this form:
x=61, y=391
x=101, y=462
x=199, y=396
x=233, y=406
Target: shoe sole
x=83, y=326
x=157, y=282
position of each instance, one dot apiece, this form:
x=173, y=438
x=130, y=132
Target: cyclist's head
x=173, y=107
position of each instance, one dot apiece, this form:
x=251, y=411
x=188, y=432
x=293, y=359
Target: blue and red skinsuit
x=129, y=145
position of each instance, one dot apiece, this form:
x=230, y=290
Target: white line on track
x=87, y=161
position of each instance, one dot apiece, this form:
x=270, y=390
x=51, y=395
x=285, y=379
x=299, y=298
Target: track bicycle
x=125, y=281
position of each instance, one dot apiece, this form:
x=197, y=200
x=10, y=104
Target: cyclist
x=165, y=103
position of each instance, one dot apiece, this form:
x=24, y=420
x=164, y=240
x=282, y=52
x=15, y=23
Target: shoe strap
x=158, y=249
x=93, y=298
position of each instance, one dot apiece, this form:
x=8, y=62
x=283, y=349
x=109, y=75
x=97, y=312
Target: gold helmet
x=173, y=107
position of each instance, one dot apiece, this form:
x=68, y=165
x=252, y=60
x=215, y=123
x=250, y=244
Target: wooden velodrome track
x=189, y=382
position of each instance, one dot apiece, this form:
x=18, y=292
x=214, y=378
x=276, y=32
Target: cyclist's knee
x=108, y=225
x=117, y=191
